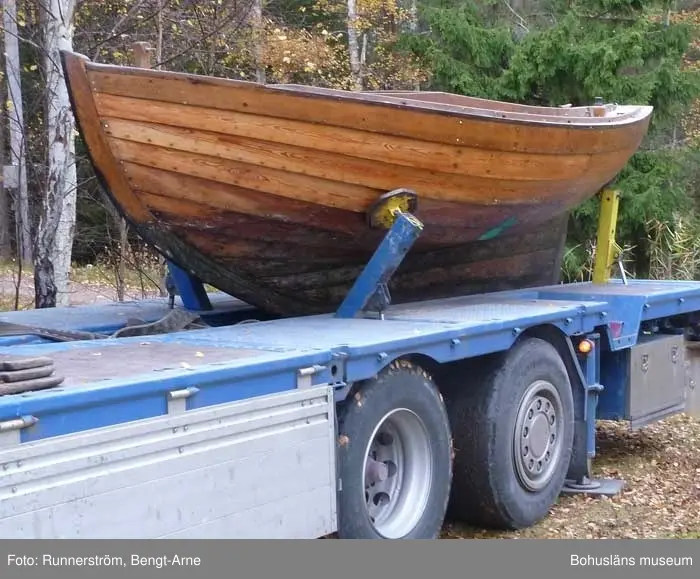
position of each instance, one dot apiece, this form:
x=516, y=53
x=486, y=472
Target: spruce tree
x=572, y=51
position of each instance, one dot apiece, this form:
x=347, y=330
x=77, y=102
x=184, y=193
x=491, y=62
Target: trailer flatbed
x=262, y=358
x=250, y=428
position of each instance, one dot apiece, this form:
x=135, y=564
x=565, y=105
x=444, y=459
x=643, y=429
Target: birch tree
x=5, y=216
x=15, y=117
x=354, y=45
x=54, y=242
x=258, y=39
x=413, y=27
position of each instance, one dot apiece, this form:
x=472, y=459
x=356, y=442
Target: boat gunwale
x=637, y=113
x=552, y=112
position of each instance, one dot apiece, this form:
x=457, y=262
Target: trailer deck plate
x=108, y=317
x=478, y=311
x=105, y=362
x=651, y=288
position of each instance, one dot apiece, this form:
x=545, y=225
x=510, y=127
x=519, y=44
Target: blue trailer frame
x=109, y=383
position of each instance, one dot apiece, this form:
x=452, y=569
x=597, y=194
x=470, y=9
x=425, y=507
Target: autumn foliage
x=535, y=51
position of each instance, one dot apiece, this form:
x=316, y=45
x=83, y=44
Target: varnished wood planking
x=277, y=183
x=202, y=198
x=339, y=194
x=356, y=143
x=88, y=120
x=424, y=125
x=460, y=190
x=321, y=140
x=266, y=180
x=377, y=174
x=512, y=112
x=323, y=191
x=209, y=203
x=579, y=116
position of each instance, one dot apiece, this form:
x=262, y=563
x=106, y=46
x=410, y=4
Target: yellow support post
x=605, y=253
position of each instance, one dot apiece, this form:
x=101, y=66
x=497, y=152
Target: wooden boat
x=261, y=191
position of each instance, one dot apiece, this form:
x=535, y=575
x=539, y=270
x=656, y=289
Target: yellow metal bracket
x=607, y=250
x=384, y=210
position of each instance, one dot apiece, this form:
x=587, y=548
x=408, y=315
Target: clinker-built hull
x=262, y=191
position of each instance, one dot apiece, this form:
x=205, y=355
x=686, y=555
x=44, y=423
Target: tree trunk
x=159, y=34
x=258, y=40
x=52, y=262
x=354, y=45
x=162, y=262
x=15, y=115
x=413, y=27
x=5, y=217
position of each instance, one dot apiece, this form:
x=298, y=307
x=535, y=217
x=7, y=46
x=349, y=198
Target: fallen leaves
x=661, y=465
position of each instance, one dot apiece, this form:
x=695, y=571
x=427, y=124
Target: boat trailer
x=195, y=417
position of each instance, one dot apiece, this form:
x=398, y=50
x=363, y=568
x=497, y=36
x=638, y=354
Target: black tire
x=483, y=398
x=401, y=385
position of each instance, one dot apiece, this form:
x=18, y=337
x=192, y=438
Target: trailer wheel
x=513, y=423
x=394, y=457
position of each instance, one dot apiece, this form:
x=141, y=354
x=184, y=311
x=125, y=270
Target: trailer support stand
x=584, y=454
x=607, y=250
x=370, y=290
x=191, y=289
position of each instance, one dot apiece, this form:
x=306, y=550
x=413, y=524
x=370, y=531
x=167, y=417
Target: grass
x=693, y=535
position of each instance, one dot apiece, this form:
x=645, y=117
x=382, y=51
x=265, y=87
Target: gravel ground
x=660, y=463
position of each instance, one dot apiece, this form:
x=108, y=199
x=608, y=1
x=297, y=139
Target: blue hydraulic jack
x=370, y=292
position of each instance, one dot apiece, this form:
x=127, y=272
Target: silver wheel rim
x=397, y=473
x=537, y=440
